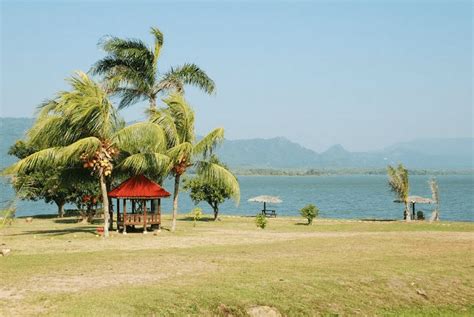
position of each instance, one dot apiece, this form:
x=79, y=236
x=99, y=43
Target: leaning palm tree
x=177, y=120
x=77, y=125
x=81, y=125
x=131, y=71
x=435, y=196
x=399, y=184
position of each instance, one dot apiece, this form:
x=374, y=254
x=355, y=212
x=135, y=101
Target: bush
x=261, y=221
x=196, y=213
x=420, y=215
x=309, y=212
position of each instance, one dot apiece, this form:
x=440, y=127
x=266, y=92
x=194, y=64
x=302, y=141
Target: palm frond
x=71, y=154
x=181, y=152
x=213, y=172
x=150, y=163
x=183, y=116
x=127, y=49
x=209, y=142
x=40, y=159
x=163, y=118
x=142, y=137
x=158, y=45
x=88, y=108
x=129, y=96
x=187, y=74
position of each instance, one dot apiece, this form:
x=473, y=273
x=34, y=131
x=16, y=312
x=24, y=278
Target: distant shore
x=342, y=171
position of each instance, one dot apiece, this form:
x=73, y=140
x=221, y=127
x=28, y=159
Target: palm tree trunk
x=153, y=102
x=105, y=203
x=175, y=201
x=407, y=212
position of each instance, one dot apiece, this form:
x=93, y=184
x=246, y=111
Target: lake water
x=354, y=196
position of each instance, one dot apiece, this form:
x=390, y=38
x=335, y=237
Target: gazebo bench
x=269, y=212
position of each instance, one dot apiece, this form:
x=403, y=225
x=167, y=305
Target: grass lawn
x=230, y=267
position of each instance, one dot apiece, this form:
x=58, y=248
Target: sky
x=363, y=74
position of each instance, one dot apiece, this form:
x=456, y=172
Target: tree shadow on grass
x=203, y=219
x=78, y=221
x=378, y=220
x=58, y=232
x=301, y=224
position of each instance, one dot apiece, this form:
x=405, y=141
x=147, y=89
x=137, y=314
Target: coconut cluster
x=101, y=160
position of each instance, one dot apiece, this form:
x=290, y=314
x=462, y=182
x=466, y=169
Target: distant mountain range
x=281, y=153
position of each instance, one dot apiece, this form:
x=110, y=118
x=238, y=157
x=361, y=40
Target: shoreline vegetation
x=342, y=171
x=231, y=267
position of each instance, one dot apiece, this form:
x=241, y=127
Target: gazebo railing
x=139, y=219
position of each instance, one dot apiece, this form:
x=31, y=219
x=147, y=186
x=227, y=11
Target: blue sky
x=364, y=74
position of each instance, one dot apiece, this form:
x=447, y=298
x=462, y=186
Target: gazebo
x=139, y=190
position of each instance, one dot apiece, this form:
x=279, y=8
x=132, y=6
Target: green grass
x=224, y=268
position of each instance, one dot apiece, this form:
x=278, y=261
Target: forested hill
x=281, y=153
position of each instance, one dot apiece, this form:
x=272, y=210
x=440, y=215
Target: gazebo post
x=264, y=207
x=158, y=210
x=144, y=216
x=118, y=213
x=111, y=215
x=413, y=210
x=125, y=216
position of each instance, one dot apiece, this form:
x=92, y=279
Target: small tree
x=43, y=183
x=261, y=221
x=196, y=213
x=309, y=212
x=212, y=192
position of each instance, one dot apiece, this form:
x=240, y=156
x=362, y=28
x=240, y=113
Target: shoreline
x=208, y=217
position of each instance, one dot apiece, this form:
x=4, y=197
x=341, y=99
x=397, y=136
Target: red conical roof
x=138, y=187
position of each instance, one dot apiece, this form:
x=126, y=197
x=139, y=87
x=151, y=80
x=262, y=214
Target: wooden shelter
x=139, y=190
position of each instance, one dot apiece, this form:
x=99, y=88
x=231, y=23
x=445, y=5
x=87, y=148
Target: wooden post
x=124, y=216
x=118, y=213
x=144, y=216
x=111, y=214
x=159, y=212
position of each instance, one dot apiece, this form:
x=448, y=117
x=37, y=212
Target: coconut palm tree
x=177, y=120
x=399, y=184
x=131, y=71
x=435, y=196
x=81, y=125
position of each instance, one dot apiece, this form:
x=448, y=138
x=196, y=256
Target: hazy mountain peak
x=280, y=152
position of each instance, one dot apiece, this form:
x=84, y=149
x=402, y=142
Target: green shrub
x=420, y=215
x=261, y=221
x=196, y=213
x=309, y=212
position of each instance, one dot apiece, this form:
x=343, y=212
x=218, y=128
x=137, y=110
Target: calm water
x=355, y=196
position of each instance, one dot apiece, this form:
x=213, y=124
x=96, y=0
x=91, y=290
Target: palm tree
x=131, y=71
x=399, y=184
x=177, y=120
x=435, y=196
x=82, y=125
